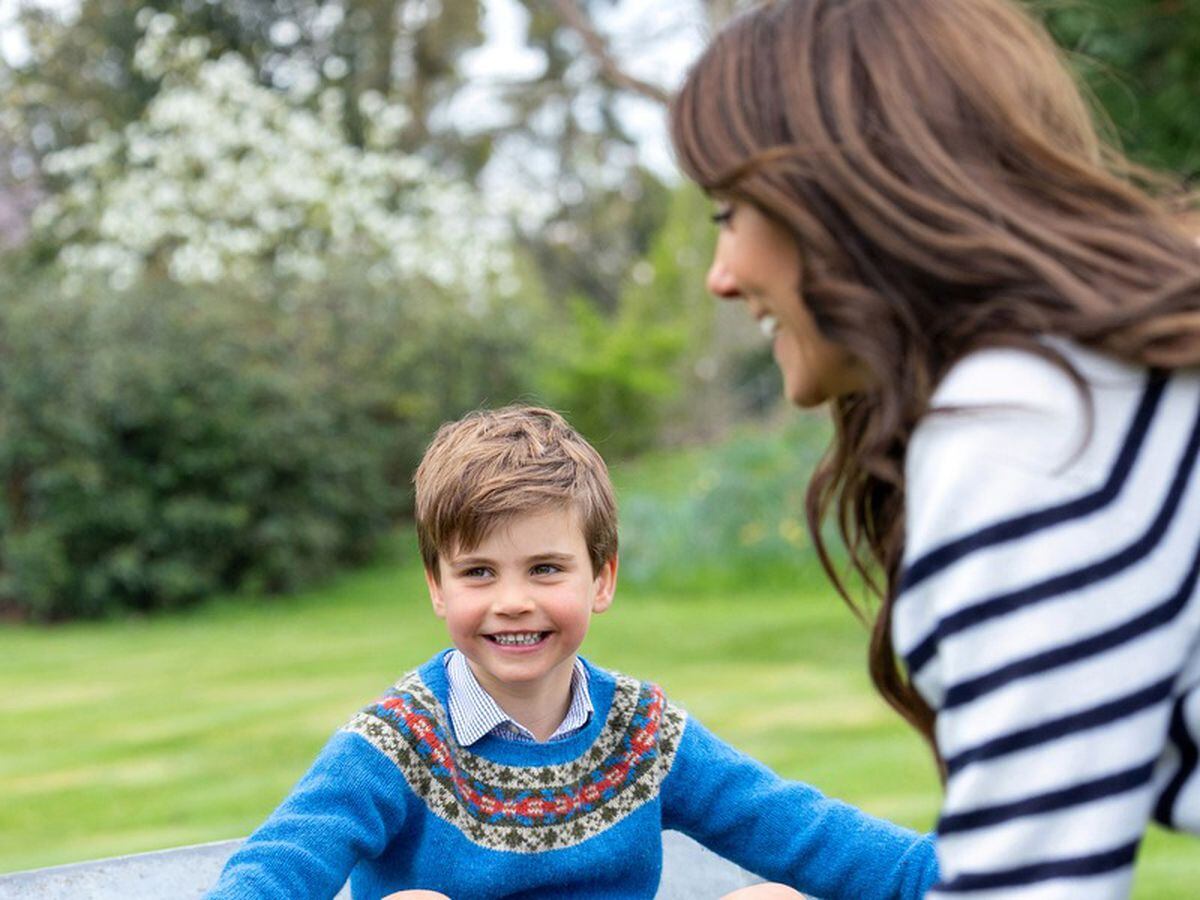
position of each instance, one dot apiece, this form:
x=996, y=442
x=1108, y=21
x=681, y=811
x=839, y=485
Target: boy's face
x=518, y=605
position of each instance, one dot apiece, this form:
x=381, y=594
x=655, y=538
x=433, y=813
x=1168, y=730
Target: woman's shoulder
x=1030, y=410
x=1010, y=430
x=1035, y=382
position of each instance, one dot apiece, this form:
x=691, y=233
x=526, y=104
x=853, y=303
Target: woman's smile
x=757, y=261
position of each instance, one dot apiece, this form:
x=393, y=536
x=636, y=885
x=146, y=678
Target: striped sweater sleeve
x=1047, y=611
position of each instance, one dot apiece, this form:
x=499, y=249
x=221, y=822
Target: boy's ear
x=435, y=594
x=606, y=585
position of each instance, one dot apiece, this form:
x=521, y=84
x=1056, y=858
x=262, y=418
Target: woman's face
x=756, y=261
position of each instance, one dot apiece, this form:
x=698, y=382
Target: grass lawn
x=130, y=736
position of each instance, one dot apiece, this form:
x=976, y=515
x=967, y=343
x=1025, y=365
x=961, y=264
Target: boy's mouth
x=517, y=638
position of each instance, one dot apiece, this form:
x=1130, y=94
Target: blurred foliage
x=603, y=208
x=239, y=332
x=587, y=246
x=161, y=444
x=222, y=179
x=620, y=377
x=1141, y=60
x=81, y=72
x=240, y=328
x=611, y=377
x=557, y=121
x=723, y=516
x=312, y=283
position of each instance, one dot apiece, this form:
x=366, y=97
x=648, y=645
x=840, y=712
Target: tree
x=81, y=70
x=1141, y=60
x=222, y=178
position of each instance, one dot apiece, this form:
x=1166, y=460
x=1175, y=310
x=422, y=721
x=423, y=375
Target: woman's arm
x=1040, y=615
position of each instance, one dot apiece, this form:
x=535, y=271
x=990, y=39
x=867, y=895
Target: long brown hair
x=947, y=190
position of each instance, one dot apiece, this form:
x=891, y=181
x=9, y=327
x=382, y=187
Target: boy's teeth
x=769, y=325
x=531, y=637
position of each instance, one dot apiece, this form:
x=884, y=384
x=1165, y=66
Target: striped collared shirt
x=474, y=714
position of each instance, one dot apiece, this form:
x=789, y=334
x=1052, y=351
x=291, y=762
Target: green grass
x=128, y=736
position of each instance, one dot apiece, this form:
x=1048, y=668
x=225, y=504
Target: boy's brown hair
x=491, y=465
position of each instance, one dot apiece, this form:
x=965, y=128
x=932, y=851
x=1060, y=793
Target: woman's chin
x=804, y=394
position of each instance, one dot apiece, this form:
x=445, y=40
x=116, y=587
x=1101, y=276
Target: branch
x=597, y=46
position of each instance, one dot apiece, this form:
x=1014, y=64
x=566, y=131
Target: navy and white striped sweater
x=1049, y=612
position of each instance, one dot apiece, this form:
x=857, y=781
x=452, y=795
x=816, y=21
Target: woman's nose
x=720, y=282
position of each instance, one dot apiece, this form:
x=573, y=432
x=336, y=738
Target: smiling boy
x=517, y=607
x=508, y=766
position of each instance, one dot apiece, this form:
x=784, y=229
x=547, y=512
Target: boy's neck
x=538, y=707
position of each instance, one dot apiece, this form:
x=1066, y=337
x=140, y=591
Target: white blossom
x=225, y=178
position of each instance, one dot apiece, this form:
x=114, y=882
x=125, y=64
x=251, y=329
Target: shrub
x=624, y=378
x=611, y=376
x=162, y=444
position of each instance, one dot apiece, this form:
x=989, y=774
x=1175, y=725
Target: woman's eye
x=722, y=215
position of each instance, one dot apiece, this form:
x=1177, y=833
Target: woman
x=913, y=200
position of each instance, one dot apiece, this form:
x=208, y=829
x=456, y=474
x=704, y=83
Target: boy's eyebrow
x=552, y=556
x=548, y=556
x=457, y=561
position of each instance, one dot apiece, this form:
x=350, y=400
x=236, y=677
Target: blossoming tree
x=223, y=178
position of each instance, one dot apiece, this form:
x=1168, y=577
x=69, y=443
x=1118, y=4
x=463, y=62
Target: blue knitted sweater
x=393, y=802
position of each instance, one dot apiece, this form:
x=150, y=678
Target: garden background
x=256, y=250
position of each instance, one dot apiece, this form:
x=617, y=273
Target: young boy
x=507, y=766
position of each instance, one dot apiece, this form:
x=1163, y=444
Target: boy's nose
x=512, y=601
x=720, y=282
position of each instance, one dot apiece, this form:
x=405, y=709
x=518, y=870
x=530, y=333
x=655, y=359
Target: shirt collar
x=474, y=714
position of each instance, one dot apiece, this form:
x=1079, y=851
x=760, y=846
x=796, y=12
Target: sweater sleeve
x=346, y=808
x=1037, y=616
x=787, y=831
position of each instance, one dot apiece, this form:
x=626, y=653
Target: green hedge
x=162, y=444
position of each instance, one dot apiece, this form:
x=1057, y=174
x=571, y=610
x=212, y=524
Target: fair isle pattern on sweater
x=527, y=809
x=386, y=804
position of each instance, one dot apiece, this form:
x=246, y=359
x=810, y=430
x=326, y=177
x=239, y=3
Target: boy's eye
x=545, y=569
x=476, y=572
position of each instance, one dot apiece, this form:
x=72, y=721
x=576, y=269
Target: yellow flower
x=794, y=533
x=751, y=533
